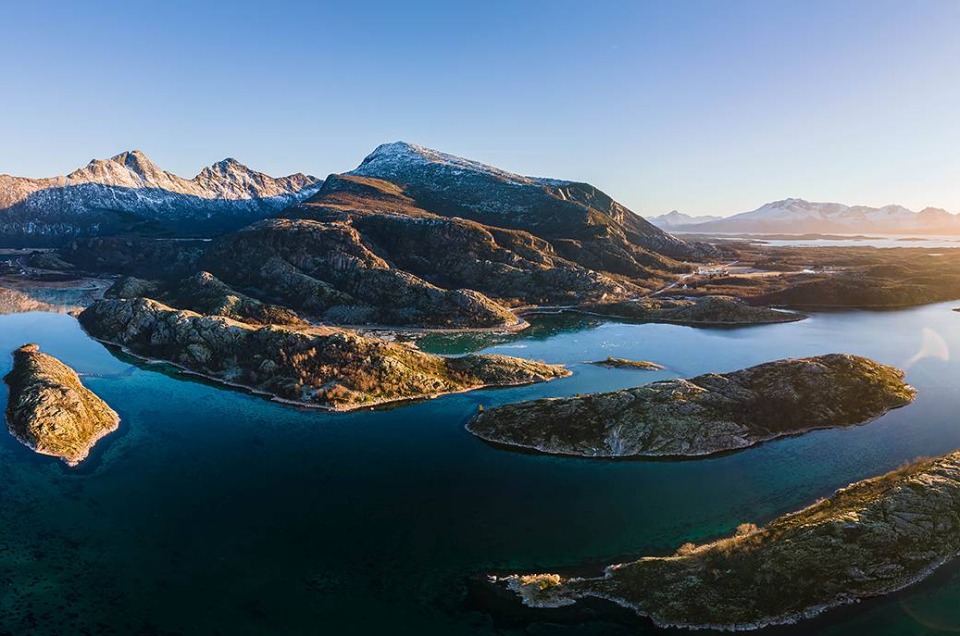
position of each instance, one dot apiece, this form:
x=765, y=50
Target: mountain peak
x=230, y=162
x=399, y=159
x=127, y=155
x=396, y=151
x=227, y=166
x=136, y=161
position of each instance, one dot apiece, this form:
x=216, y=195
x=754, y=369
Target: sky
x=707, y=107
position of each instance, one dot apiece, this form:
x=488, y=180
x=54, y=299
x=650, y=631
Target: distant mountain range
x=672, y=220
x=797, y=216
x=129, y=192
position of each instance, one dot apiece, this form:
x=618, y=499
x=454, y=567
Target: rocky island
x=623, y=363
x=701, y=311
x=871, y=538
x=50, y=411
x=708, y=414
x=324, y=367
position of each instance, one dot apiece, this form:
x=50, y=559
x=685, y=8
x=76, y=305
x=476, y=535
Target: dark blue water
x=215, y=512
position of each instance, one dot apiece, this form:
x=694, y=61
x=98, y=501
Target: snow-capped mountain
x=129, y=191
x=449, y=185
x=797, y=216
x=676, y=219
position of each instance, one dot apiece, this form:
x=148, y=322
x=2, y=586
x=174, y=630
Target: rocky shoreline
x=703, y=311
x=868, y=539
x=325, y=368
x=702, y=416
x=623, y=363
x=50, y=411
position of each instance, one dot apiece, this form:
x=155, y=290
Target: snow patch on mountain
x=129, y=184
x=795, y=216
x=395, y=159
x=674, y=219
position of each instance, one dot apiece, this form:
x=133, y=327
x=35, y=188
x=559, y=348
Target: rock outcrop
x=704, y=415
x=324, y=367
x=205, y=294
x=871, y=538
x=329, y=271
x=50, y=411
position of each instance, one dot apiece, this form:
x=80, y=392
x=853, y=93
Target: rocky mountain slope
x=873, y=537
x=418, y=238
x=707, y=414
x=205, y=294
x=324, y=367
x=129, y=192
x=331, y=272
x=797, y=216
x=584, y=224
x=50, y=411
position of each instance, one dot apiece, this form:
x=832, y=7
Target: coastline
x=789, y=316
x=74, y=460
x=307, y=405
x=664, y=457
x=793, y=618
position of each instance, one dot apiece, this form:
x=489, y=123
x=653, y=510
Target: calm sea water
x=215, y=512
x=904, y=240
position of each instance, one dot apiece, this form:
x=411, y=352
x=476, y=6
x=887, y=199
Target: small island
x=324, y=367
x=701, y=311
x=705, y=415
x=50, y=411
x=623, y=363
x=871, y=538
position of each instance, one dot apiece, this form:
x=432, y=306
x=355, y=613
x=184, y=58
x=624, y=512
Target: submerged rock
x=51, y=411
x=326, y=367
x=871, y=538
x=707, y=414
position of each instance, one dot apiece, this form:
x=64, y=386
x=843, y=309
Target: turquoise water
x=215, y=512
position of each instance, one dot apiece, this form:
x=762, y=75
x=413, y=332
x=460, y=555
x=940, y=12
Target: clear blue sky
x=703, y=106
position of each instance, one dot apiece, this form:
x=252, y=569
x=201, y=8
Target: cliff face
x=704, y=415
x=871, y=538
x=51, y=411
x=330, y=368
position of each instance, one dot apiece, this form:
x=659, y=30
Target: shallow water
x=212, y=511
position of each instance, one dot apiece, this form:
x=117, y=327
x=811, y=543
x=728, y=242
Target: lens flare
x=932, y=346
